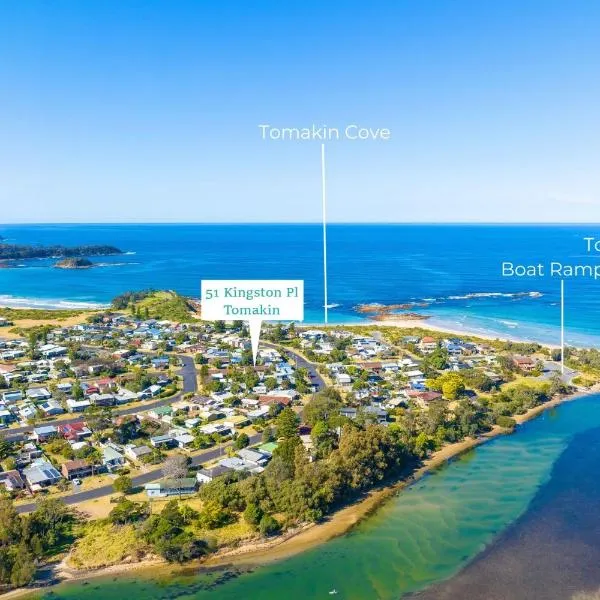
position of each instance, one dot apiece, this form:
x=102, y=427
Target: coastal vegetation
x=38, y=314
x=26, y=540
x=74, y=263
x=16, y=252
x=154, y=304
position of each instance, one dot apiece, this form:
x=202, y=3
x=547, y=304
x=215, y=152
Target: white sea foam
x=47, y=303
x=474, y=295
x=120, y=264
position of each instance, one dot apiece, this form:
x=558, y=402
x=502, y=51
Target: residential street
x=190, y=384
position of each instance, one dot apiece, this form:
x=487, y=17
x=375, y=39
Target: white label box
x=253, y=300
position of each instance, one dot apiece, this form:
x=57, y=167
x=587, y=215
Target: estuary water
x=524, y=504
x=454, y=269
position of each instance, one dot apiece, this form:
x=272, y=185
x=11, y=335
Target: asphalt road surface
x=301, y=362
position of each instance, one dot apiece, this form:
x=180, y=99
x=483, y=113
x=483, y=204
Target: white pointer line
x=324, y=200
x=562, y=326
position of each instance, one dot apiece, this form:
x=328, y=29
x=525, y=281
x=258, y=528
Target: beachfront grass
x=103, y=544
x=539, y=385
x=36, y=314
x=229, y=534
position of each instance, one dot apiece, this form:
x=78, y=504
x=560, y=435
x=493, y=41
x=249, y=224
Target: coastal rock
x=74, y=263
x=17, y=252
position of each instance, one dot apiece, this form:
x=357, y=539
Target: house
x=12, y=480
x=237, y=464
x=256, y=457
x=152, y=391
x=427, y=345
x=12, y=396
x=6, y=416
x=525, y=363
x=112, y=458
x=65, y=388
x=38, y=394
x=123, y=396
x=45, y=432
x=269, y=400
x=77, y=405
x=51, y=407
x=343, y=379
x=101, y=399
x=160, y=412
x=379, y=415
x=28, y=454
x=165, y=441
x=236, y=421
x=74, y=431
x=74, y=469
x=348, y=412
x=41, y=474
x=207, y=475
x=137, y=452
x=184, y=439
x=259, y=413
x=171, y=487
x=161, y=362
x=52, y=351
x=423, y=398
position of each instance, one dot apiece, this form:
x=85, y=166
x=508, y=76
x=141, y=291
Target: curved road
x=190, y=384
x=302, y=363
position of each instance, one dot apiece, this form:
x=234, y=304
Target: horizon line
x=283, y=223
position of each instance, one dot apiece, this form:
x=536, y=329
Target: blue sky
x=149, y=111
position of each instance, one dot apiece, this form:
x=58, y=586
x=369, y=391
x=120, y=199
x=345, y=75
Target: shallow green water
x=423, y=535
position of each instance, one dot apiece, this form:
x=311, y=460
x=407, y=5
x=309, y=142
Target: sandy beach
x=429, y=326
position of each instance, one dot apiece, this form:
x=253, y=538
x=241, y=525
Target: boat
x=332, y=592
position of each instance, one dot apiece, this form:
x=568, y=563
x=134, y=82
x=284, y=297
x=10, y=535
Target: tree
x=175, y=467
x=213, y=515
x=127, y=511
x=253, y=515
x=452, y=388
x=23, y=567
x=267, y=435
x=6, y=448
x=123, y=484
x=556, y=354
x=242, y=441
x=76, y=391
x=287, y=423
x=323, y=439
x=322, y=407
x=270, y=383
x=268, y=525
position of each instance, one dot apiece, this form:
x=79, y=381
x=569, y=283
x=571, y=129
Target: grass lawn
x=104, y=544
x=224, y=536
x=531, y=382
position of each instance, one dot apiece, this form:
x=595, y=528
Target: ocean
x=454, y=269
